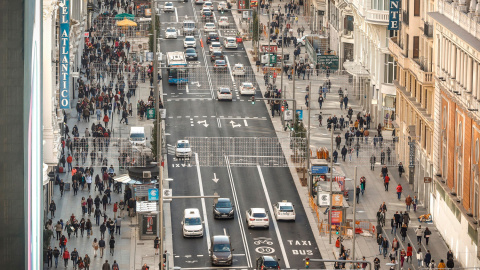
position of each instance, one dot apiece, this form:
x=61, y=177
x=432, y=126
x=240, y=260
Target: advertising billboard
x=394, y=15
x=64, y=54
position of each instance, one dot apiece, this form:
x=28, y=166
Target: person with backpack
x=115, y=265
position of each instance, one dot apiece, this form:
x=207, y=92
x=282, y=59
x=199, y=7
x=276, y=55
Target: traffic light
x=283, y=108
x=253, y=99
x=307, y=262
x=337, y=230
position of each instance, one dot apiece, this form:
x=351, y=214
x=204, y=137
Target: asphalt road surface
x=193, y=111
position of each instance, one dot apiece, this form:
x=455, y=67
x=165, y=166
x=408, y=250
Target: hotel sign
x=394, y=15
x=64, y=54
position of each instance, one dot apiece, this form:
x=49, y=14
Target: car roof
x=189, y=37
x=212, y=33
x=169, y=3
x=230, y=38
x=192, y=212
x=209, y=23
x=216, y=42
x=224, y=88
x=258, y=210
x=239, y=65
x=221, y=239
x=247, y=83
x=285, y=204
x=183, y=141
x=224, y=17
x=223, y=199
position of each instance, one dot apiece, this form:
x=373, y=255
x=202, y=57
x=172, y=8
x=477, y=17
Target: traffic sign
x=273, y=59
x=151, y=113
x=300, y=114
x=153, y=194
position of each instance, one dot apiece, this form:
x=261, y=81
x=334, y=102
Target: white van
x=192, y=223
x=137, y=136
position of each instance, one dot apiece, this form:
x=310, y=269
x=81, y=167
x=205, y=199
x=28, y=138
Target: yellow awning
x=126, y=22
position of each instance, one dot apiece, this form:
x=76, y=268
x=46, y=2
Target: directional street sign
x=153, y=194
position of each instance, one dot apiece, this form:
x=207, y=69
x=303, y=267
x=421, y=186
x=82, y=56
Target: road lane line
x=245, y=122
x=208, y=70
x=204, y=209
x=239, y=214
x=176, y=15
x=230, y=69
x=275, y=225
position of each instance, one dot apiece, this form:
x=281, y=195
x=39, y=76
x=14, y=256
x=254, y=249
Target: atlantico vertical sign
x=65, y=54
x=394, y=15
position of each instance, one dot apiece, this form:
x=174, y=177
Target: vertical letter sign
x=394, y=15
x=64, y=54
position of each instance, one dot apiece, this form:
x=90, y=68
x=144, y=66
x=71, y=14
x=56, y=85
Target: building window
x=475, y=197
x=416, y=8
x=460, y=133
x=445, y=118
x=477, y=151
x=390, y=66
x=380, y=4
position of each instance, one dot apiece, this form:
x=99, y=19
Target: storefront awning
x=355, y=69
x=125, y=179
x=388, y=89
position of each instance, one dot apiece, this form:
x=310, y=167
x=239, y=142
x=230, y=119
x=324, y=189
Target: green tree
x=47, y=237
x=299, y=129
x=255, y=34
x=153, y=141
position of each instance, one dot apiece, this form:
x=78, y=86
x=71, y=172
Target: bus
x=176, y=67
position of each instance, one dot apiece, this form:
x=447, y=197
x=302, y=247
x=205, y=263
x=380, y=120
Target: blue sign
x=300, y=114
x=153, y=194
x=64, y=54
x=394, y=15
x=319, y=169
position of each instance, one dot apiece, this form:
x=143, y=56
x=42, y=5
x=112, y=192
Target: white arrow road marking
x=234, y=124
x=204, y=123
x=245, y=122
x=215, y=179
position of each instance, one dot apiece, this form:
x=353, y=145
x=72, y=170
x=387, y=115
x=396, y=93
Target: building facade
x=340, y=17
x=372, y=67
x=412, y=50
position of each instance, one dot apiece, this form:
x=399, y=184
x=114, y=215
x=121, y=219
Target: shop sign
x=336, y=216
x=394, y=15
x=64, y=69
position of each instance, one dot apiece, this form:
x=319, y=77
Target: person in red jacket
x=386, y=180
x=399, y=191
x=115, y=210
x=106, y=119
x=69, y=162
x=66, y=257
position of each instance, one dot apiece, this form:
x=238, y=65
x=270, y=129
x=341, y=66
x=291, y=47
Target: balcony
x=397, y=52
x=427, y=29
x=377, y=16
x=419, y=69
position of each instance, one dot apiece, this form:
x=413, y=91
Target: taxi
x=284, y=211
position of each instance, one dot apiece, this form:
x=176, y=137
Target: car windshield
x=224, y=205
x=259, y=215
x=169, y=4
x=193, y=221
x=231, y=40
x=212, y=35
x=215, y=44
x=189, y=39
x=137, y=135
x=270, y=263
x=224, y=90
x=286, y=208
x=171, y=30
x=221, y=248
x=210, y=25
x=189, y=25
x=247, y=85
x=183, y=145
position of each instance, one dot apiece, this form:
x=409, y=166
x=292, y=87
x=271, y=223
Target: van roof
x=192, y=212
x=137, y=130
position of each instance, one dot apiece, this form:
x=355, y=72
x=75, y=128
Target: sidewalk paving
x=374, y=193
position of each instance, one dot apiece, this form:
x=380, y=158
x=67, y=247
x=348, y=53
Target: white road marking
x=225, y=232
x=200, y=255
x=218, y=123
x=230, y=69
x=245, y=122
x=239, y=214
x=275, y=225
x=176, y=14
x=208, y=70
x=215, y=179
x=234, y=125
x=214, y=17
x=204, y=210
x=186, y=88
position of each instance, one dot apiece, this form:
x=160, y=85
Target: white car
x=224, y=93
x=230, y=43
x=189, y=42
x=168, y=7
x=222, y=5
x=183, y=150
x=247, y=88
x=199, y=2
x=257, y=217
x=209, y=26
x=192, y=224
x=171, y=32
x=238, y=70
x=215, y=46
x=223, y=21
x=208, y=4
x=284, y=211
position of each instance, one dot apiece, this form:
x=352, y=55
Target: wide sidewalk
x=374, y=195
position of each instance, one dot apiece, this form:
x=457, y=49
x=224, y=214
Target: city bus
x=177, y=71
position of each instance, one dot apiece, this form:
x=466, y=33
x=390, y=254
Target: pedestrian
x=384, y=171
x=408, y=202
x=376, y=263
x=372, y=162
x=69, y=162
x=427, y=234
x=101, y=246
x=115, y=209
x=86, y=262
x=106, y=265
x=63, y=243
x=306, y=100
x=409, y=252
x=103, y=229
x=403, y=255
x=97, y=215
x=156, y=243
x=450, y=263
x=118, y=225
x=56, y=254
x=115, y=265
x=112, y=245
x=145, y=267
x=394, y=226
x=58, y=229
x=379, y=243
x=449, y=255
x=386, y=181
x=441, y=265
x=66, y=257
x=95, y=247
x=403, y=232
x=419, y=258
x=74, y=258
x=52, y=209
x=363, y=181
x=415, y=202
x=399, y=190
x=385, y=245
x=382, y=157
x=419, y=234
x=49, y=257
x=357, y=192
